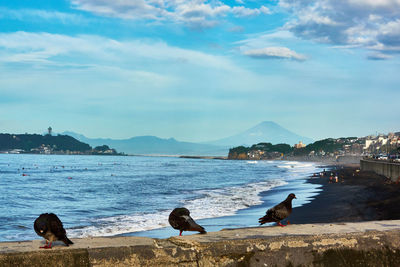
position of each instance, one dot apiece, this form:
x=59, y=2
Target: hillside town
x=49, y=144
x=382, y=146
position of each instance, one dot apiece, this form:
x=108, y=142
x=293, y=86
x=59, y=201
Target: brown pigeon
x=49, y=226
x=180, y=220
x=279, y=212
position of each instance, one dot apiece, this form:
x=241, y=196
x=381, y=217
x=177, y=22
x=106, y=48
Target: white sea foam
x=225, y=202
x=209, y=204
x=296, y=166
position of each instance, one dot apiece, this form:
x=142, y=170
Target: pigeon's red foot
x=180, y=233
x=281, y=225
x=288, y=222
x=47, y=245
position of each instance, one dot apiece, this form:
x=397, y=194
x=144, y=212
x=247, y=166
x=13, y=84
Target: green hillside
x=29, y=142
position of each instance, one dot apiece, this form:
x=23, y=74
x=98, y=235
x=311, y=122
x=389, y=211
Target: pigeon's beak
x=295, y=197
x=41, y=231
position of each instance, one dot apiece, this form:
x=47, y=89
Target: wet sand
x=358, y=196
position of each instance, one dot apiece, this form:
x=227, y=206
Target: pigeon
x=279, y=212
x=49, y=226
x=180, y=220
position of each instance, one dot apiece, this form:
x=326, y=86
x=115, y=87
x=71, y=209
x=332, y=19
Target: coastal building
x=368, y=143
x=395, y=140
x=299, y=145
x=382, y=140
x=43, y=149
x=255, y=154
x=386, y=144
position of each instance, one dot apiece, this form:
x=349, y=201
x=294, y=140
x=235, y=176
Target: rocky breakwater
x=344, y=244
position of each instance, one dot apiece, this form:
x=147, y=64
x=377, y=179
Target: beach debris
x=180, y=220
x=49, y=226
x=279, y=212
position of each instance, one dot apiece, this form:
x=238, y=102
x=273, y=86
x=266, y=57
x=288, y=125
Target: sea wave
x=297, y=166
x=209, y=204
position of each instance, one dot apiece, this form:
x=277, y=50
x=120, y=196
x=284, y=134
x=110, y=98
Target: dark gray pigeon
x=49, y=226
x=279, y=212
x=180, y=220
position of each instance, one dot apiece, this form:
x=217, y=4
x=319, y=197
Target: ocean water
x=116, y=195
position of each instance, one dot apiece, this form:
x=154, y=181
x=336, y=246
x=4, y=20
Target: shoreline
x=366, y=196
x=246, y=217
x=358, y=196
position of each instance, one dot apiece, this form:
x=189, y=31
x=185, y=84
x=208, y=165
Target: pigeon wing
x=177, y=222
x=274, y=214
x=282, y=210
x=56, y=226
x=280, y=213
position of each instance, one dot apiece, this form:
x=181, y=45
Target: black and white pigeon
x=180, y=220
x=49, y=226
x=279, y=212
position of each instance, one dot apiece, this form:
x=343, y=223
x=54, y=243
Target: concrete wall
x=387, y=169
x=344, y=244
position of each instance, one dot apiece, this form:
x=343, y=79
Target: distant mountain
x=266, y=131
x=152, y=145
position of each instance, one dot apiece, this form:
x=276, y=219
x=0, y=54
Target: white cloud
x=271, y=45
x=265, y=10
x=194, y=13
x=378, y=56
x=274, y=52
x=376, y=3
x=370, y=24
x=238, y=29
x=242, y=11
x=34, y=14
x=46, y=50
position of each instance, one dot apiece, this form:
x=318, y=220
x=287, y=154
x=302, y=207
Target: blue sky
x=199, y=70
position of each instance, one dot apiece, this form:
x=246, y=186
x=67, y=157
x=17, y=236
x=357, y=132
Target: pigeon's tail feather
x=202, y=230
x=195, y=227
x=265, y=219
x=67, y=241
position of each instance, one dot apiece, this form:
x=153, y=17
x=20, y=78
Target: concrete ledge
x=345, y=244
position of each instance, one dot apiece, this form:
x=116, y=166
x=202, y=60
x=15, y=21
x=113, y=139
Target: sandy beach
x=358, y=196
